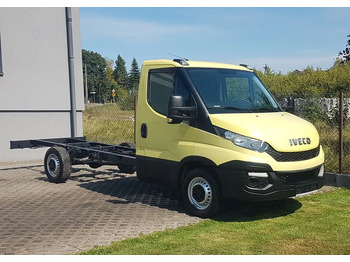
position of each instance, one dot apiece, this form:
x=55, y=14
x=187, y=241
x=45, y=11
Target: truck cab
x=214, y=131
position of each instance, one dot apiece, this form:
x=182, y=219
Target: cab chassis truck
x=212, y=130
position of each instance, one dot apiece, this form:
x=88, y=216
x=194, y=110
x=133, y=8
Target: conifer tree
x=345, y=54
x=134, y=76
x=120, y=73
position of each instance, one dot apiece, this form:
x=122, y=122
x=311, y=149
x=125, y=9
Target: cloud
x=132, y=30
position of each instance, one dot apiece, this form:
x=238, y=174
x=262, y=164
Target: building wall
x=34, y=88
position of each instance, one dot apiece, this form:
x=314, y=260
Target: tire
x=57, y=164
x=201, y=193
x=124, y=168
x=94, y=165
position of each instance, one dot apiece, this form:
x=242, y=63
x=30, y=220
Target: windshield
x=228, y=90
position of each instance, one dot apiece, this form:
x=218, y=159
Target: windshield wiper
x=247, y=110
x=264, y=109
x=235, y=108
x=230, y=108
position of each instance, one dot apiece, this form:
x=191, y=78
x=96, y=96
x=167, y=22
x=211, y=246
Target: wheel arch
x=192, y=162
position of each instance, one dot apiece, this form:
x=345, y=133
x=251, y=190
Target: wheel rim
x=200, y=193
x=53, y=165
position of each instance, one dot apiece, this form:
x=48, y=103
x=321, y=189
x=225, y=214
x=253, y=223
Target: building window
x=1, y=71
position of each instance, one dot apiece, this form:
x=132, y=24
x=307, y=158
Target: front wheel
x=201, y=193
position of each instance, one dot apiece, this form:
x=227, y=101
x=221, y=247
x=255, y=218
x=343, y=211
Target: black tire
x=124, y=168
x=201, y=193
x=94, y=165
x=57, y=164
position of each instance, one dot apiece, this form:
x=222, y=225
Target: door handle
x=144, y=130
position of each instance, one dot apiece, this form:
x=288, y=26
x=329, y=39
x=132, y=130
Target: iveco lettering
x=211, y=130
x=300, y=141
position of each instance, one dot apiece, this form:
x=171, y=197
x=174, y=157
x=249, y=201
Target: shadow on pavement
x=126, y=189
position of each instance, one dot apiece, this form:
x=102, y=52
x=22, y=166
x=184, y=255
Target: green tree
x=96, y=74
x=120, y=73
x=310, y=83
x=111, y=83
x=268, y=70
x=134, y=75
x=109, y=71
x=345, y=54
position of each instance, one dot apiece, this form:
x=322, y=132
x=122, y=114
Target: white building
x=41, y=83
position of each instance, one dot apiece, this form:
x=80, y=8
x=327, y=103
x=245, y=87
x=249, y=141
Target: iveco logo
x=299, y=141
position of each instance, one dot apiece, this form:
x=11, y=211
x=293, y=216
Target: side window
x=160, y=88
x=162, y=84
x=1, y=71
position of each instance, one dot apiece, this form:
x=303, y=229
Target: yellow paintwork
x=275, y=128
x=221, y=150
x=164, y=141
x=168, y=63
x=177, y=141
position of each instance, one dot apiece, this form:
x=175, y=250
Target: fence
x=330, y=116
x=114, y=124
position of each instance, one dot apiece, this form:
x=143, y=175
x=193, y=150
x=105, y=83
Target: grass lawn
x=317, y=224
x=108, y=124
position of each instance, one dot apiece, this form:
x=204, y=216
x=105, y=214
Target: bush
x=309, y=83
x=313, y=112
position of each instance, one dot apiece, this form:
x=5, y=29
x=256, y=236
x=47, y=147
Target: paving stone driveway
x=94, y=207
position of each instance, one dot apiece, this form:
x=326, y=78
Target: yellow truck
x=211, y=130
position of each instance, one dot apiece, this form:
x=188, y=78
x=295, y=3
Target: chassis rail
x=82, y=151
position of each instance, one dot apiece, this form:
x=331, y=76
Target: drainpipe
x=73, y=112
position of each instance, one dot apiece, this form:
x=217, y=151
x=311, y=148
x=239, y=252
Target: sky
x=284, y=38
x=285, y=35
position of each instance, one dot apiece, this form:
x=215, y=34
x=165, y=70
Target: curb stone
x=337, y=180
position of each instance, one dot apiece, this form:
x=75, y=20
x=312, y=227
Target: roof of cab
x=190, y=63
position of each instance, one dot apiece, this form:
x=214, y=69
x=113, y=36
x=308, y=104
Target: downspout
x=1, y=72
x=73, y=111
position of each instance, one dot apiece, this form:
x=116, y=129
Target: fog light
x=254, y=174
x=257, y=180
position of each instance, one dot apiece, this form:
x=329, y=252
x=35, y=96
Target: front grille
x=293, y=156
x=294, y=178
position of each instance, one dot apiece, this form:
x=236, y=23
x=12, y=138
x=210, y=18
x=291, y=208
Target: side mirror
x=290, y=107
x=177, y=112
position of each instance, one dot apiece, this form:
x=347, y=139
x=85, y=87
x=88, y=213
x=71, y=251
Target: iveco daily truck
x=211, y=130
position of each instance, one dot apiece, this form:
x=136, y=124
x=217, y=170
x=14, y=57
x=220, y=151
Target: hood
x=283, y=131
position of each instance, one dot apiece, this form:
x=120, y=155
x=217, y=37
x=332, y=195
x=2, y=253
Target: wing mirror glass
x=290, y=107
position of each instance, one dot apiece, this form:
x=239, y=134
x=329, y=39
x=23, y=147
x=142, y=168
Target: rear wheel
x=94, y=165
x=201, y=193
x=125, y=168
x=57, y=164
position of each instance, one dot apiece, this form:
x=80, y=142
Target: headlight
x=243, y=141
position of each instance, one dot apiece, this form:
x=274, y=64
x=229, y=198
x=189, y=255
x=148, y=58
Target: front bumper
x=258, y=182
